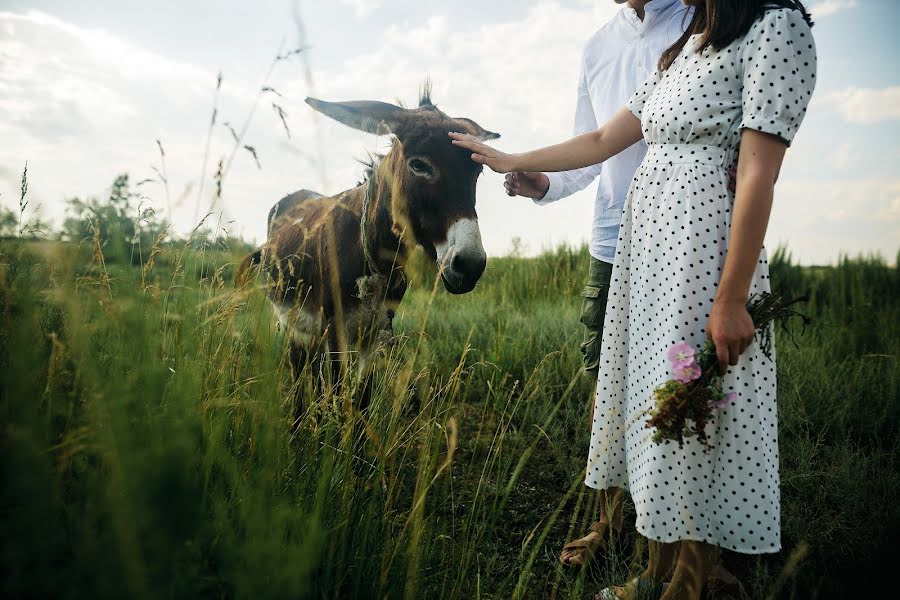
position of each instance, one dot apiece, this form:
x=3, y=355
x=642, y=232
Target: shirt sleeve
x=566, y=183
x=779, y=64
x=636, y=103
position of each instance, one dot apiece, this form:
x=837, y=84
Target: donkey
x=336, y=265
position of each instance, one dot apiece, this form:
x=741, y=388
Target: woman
x=688, y=257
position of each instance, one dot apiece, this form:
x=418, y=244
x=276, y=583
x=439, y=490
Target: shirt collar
x=657, y=5
x=650, y=10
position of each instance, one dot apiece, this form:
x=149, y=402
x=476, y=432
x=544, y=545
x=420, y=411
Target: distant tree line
x=126, y=227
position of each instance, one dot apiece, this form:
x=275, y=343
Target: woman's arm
x=617, y=134
x=759, y=162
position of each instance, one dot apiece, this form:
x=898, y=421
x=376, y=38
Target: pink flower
x=688, y=373
x=681, y=355
x=725, y=400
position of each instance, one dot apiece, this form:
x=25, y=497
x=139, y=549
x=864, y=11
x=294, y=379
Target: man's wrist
x=555, y=188
x=543, y=186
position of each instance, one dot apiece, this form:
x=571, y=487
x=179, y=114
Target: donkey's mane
x=370, y=165
x=425, y=94
x=424, y=97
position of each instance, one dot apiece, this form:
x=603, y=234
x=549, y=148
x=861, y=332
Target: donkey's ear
x=486, y=135
x=478, y=131
x=379, y=118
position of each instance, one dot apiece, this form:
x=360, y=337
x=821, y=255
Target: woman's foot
x=720, y=585
x=639, y=588
x=599, y=540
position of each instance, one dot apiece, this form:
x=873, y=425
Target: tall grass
x=147, y=448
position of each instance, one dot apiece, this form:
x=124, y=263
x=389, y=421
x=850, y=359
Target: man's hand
x=529, y=185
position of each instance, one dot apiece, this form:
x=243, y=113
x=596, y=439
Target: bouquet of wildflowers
x=684, y=405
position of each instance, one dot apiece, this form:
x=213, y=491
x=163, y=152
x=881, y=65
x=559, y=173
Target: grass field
x=146, y=450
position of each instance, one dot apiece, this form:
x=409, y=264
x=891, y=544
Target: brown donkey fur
x=334, y=276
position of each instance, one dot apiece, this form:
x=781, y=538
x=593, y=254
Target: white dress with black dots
x=670, y=255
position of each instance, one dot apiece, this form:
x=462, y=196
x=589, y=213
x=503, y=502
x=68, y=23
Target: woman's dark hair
x=720, y=22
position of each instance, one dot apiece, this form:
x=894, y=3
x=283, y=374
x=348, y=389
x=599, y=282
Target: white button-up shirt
x=618, y=58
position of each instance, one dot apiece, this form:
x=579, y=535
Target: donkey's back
x=286, y=203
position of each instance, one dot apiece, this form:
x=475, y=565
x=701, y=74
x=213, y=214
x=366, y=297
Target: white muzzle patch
x=463, y=238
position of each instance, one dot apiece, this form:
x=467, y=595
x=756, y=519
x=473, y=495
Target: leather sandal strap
x=578, y=545
x=598, y=527
x=587, y=548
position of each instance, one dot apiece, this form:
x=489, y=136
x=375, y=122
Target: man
x=616, y=59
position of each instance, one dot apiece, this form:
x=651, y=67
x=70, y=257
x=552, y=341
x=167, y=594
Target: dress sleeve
x=779, y=66
x=636, y=103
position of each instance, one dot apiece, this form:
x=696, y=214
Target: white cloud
x=829, y=7
x=844, y=156
x=362, y=7
x=820, y=219
x=517, y=77
x=58, y=80
x=82, y=105
x=862, y=105
x=63, y=91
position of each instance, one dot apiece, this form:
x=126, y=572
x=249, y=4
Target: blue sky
x=86, y=88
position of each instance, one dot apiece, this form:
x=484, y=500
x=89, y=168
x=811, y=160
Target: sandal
x=639, y=588
x=587, y=550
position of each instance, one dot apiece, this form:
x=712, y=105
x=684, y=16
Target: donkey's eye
x=421, y=168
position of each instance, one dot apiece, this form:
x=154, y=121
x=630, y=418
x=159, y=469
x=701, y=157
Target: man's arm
x=545, y=188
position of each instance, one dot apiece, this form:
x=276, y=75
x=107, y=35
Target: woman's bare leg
x=662, y=560
x=610, y=517
x=695, y=562
x=610, y=500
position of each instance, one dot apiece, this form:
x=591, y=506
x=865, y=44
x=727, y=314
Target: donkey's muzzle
x=461, y=257
x=463, y=272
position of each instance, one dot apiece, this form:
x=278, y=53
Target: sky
x=87, y=88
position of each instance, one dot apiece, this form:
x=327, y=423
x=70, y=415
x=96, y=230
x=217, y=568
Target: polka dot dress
x=670, y=255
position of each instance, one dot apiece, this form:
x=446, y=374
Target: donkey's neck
x=385, y=247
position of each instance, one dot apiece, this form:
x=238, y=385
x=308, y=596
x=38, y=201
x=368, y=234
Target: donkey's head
x=432, y=182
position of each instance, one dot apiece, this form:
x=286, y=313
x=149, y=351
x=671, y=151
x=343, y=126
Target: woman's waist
x=699, y=154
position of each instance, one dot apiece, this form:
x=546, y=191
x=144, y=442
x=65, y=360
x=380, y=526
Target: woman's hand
x=499, y=162
x=731, y=330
